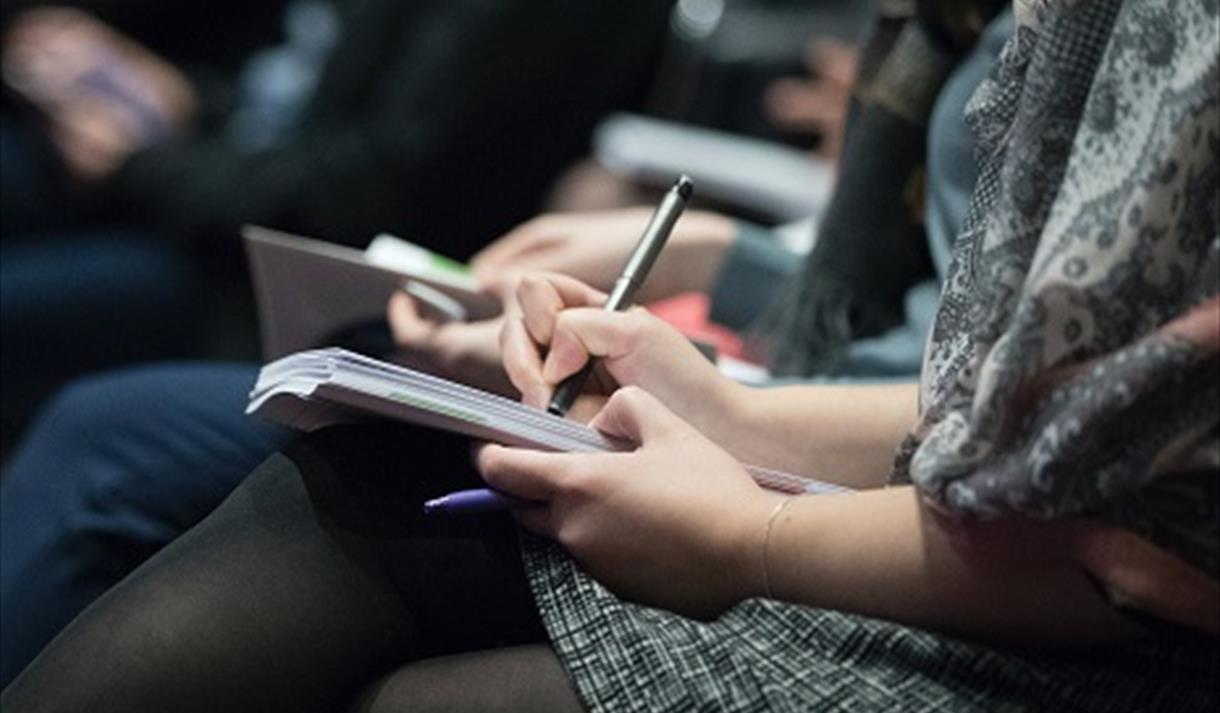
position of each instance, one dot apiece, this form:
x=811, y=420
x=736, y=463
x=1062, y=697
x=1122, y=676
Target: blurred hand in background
x=816, y=103
x=104, y=95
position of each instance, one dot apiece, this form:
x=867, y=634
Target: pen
x=638, y=264
x=469, y=502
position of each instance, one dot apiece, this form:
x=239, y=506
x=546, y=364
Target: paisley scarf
x=1074, y=366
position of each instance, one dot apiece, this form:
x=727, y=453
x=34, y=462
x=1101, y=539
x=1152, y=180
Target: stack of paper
x=318, y=388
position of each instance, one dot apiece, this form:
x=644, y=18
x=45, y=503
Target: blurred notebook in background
x=310, y=290
x=759, y=176
x=318, y=388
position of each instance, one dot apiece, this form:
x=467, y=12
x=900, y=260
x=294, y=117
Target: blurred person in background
x=126, y=176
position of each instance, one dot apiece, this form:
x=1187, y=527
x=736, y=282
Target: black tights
x=308, y=589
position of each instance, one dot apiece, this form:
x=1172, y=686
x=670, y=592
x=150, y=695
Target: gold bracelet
x=766, y=544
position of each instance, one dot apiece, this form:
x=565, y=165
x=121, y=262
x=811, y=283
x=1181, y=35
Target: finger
x=529, y=474
x=587, y=405
x=501, y=283
x=635, y=415
x=523, y=238
x=542, y=296
x=407, y=326
x=581, y=333
x=538, y=254
x=540, y=303
x=493, y=254
x=835, y=61
x=522, y=362
x=87, y=150
x=802, y=103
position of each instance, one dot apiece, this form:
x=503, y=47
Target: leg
x=519, y=678
x=317, y=575
x=115, y=468
x=78, y=302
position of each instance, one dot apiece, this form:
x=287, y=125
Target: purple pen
x=468, y=502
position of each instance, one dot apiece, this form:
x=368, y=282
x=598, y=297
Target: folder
x=309, y=290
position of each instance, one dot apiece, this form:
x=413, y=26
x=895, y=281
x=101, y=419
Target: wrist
x=730, y=419
x=715, y=406
x=752, y=543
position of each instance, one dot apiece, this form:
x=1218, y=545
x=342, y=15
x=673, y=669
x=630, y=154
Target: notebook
x=309, y=290
x=313, y=389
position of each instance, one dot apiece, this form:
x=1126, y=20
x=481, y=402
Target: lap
x=318, y=574
x=115, y=467
x=517, y=678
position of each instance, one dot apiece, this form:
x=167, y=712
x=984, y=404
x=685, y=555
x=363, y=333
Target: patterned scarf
x=1074, y=367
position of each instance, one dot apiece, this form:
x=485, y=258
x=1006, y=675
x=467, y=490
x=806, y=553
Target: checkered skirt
x=765, y=655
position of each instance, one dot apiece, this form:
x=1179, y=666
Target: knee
x=89, y=436
x=62, y=464
x=164, y=444
x=89, y=416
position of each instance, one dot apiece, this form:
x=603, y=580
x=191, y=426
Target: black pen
x=642, y=258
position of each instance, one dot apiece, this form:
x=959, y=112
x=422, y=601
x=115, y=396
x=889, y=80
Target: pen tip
x=685, y=186
x=432, y=505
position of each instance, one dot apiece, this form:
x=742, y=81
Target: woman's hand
x=558, y=324
x=467, y=351
x=592, y=248
x=676, y=523
x=817, y=103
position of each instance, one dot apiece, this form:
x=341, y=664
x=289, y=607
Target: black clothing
x=442, y=121
x=322, y=571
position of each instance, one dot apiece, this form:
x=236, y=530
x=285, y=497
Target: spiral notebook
x=312, y=389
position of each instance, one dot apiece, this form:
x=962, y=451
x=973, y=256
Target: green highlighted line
x=436, y=407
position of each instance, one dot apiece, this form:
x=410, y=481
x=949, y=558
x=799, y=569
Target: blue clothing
x=73, y=299
x=115, y=468
x=77, y=302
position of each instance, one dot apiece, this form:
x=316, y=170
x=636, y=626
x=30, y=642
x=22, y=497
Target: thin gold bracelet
x=766, y=544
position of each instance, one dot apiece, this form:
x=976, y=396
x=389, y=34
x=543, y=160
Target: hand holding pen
x=642, y=258
x=529, y=331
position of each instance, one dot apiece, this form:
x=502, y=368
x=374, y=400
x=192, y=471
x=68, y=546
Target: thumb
x=635, y=415
x=407, y=326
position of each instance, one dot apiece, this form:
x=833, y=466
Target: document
x=322, y=387
x=310, y=290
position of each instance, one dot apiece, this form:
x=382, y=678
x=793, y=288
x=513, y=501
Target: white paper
x=312, y=389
